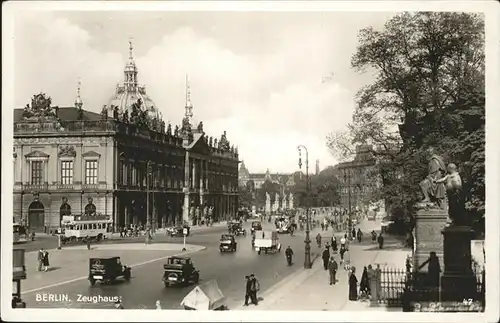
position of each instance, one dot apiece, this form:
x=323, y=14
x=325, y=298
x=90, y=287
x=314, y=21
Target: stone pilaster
x=429, y=224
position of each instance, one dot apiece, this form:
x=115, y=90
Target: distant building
x=73, y=161
x=258, y=179
x=358, y=175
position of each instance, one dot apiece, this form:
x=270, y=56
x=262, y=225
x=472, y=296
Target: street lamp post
x=347, y=176
x=307, y=260
x=148, y=216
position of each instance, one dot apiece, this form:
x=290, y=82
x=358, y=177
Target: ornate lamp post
x=148, y=216
x=307, y=260
x=347, y=178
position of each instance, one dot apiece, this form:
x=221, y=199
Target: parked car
x=180, y=270
x=107, y=270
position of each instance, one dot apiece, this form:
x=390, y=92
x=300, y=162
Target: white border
x=490, y=9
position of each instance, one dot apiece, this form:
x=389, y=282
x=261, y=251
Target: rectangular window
x=91, y=172
x=36, y=172
x=67, y=172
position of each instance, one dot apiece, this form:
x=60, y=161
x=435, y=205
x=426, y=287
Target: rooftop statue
x=104, y=112
x=176, y=131
x=125, y=118
x=200, y=126
x=210, y=141
x=169, y=129
x=216, y=145
x=41, y=106
x=115, y=112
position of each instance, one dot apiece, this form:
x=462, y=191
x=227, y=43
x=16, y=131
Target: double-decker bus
x=79, y=228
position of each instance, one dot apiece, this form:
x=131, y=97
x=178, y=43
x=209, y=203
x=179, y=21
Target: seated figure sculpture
x=434, y=192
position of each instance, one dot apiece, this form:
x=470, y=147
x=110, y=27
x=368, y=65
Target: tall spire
x=78, y=100
x=189, y=105
x=130, y=71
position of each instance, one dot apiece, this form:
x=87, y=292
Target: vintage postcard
x=250, y=161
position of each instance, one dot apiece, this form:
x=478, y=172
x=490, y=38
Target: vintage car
x=178, y=231
x=227, y=243
x=180, y=271
x=256, y=226
x=236, y=228
x=107, y=270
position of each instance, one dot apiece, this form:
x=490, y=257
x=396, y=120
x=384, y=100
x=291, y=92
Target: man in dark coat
x=333, y=267
x=380, y=241
x=254, y=288
x=326, y=258
x=248, y=290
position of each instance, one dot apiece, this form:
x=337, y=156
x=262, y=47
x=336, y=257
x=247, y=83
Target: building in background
x=258, y=179
x=122, y=162
x=360, y=176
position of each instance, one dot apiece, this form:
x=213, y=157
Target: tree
x=325, y=188
x=428, y=91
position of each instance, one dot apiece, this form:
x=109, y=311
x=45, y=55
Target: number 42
x=467, y=301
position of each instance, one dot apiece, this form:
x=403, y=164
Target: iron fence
x=401, y=288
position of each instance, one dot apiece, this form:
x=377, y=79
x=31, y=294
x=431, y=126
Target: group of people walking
x=251, y=289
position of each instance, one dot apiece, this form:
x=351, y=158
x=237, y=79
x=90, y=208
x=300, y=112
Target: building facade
x=258, y=179
x=359, y=176
x=122, y=162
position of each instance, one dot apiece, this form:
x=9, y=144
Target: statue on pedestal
x=454, y=192
x=434, y=192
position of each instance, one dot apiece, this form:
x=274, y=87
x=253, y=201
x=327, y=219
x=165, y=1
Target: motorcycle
x=289, y=260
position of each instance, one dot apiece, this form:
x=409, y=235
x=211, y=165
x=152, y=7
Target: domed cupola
x=130, y=92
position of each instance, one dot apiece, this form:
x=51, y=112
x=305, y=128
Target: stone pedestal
x=458, y=281
x=429, y=224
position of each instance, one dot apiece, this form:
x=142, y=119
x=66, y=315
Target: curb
x=139, y=247
x=285, y=285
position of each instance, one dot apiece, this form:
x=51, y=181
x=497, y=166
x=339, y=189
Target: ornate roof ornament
x=40, y=108
x=78, y=100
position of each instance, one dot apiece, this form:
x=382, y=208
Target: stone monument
x=458, y=281
x=290, y=202
x=283, y=203
x=431, y=215
x=268, y=204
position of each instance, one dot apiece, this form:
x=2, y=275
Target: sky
x=272, y=80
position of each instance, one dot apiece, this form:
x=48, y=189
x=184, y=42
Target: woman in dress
x=353, y=285
x=334, y=244
x=46, y=260
x=364, y=285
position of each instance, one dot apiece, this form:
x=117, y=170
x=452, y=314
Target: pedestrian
x=380, y=241
x=332, y=267
x=364, y=286
x=342, y=252
x=322, y=226
x=248, y=290
x=318, y=240
x=255, y=287
x=353, y=233
x=158, y=305
x=433, y=269
x=87, y=239
x=359, y=235
x=374, y=236
x=46, y=260
x=334, y=244
x=353, y=285
x=40, y=259
x=326, y=258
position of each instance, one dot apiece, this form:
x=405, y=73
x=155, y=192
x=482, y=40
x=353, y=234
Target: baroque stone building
x=124, y=162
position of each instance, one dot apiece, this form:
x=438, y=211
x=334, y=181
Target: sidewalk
x=71, y=263
x=321, y=296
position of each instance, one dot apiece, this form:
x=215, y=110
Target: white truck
x=267, y=241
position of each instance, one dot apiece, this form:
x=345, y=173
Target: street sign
x=185, y=231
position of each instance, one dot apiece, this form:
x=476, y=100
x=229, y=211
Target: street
x=146, y=287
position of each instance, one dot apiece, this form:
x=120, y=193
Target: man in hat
x=332, y=267
x=248, y=289
x=254, y=288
